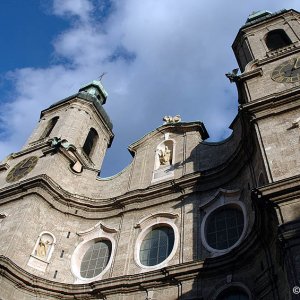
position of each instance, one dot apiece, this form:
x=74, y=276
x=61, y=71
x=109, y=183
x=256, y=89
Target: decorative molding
x=282, y=50
x=251, y=74
x=167, y=215
x=187, y=184
x=98, y=226
x=220, y=192
x=4, y=167
x=29, y=149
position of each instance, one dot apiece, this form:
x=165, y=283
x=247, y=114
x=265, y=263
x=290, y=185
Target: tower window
x=276, y=39
x=90, y=142
x=50, y=127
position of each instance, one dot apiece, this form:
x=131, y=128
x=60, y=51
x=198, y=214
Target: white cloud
x=162, y=58
x=76, y=8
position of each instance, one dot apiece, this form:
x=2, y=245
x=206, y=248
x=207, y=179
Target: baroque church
x=187, y=219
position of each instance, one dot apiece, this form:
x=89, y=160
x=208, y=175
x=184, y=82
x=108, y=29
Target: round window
x=95, y=259
x=224, y=227
x=157, y=245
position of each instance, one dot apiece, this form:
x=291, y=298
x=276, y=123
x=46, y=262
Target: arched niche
x=164, y=154
x=164, y=160
x=42, y=251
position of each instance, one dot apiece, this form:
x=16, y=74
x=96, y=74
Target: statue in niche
x=165, y=156
x=42, y=248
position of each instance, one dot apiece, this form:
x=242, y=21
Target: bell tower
x=78, y=122
x=267, y=49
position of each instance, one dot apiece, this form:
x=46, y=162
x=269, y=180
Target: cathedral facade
x=187, y=219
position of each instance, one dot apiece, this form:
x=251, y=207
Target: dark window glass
x=95, y=259
x=233, y=294
x=157, y=245
x=277, y=39
x=90, y=141
x=50, y=127
x=224, y=227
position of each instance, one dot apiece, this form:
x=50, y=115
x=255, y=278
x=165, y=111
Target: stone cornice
x=170, y=127
x=274, y=103
x=172, y=190
x=282, y=191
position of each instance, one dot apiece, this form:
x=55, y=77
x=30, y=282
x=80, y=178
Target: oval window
x=95, y=259
x=157, y=245
x=224, y=227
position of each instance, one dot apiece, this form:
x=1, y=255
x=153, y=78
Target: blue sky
x=162, y=57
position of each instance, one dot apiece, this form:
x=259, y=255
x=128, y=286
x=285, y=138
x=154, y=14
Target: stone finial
x=170, y=120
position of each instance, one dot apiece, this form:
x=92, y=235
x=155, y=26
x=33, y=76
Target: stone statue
x=42, y=248
x=165, y=156
x=169, y=119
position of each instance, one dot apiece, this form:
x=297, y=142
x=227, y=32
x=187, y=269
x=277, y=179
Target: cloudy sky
x=162, y=57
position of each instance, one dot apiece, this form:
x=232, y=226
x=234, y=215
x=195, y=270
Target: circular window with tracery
x=224, y=227
x=157, y=245
x=95, y=259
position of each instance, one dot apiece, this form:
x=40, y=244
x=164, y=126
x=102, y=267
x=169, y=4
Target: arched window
x=50, y=127
x=276, y=39
x=233, y=293
x=90, y=142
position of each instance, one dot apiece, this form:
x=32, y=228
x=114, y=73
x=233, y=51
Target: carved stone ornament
x=295, y=124
x=56, y=143
x=2, y=216
x=96, y=228
x=170, y=120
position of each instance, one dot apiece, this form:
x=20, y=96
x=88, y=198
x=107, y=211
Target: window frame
x=236, y=204
x=49, y=127
x=79, y=253
x=101, y=240
x=87, y=237
x=95, y=139
x=156, y=222
x=171, y=236
x=285, y=38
